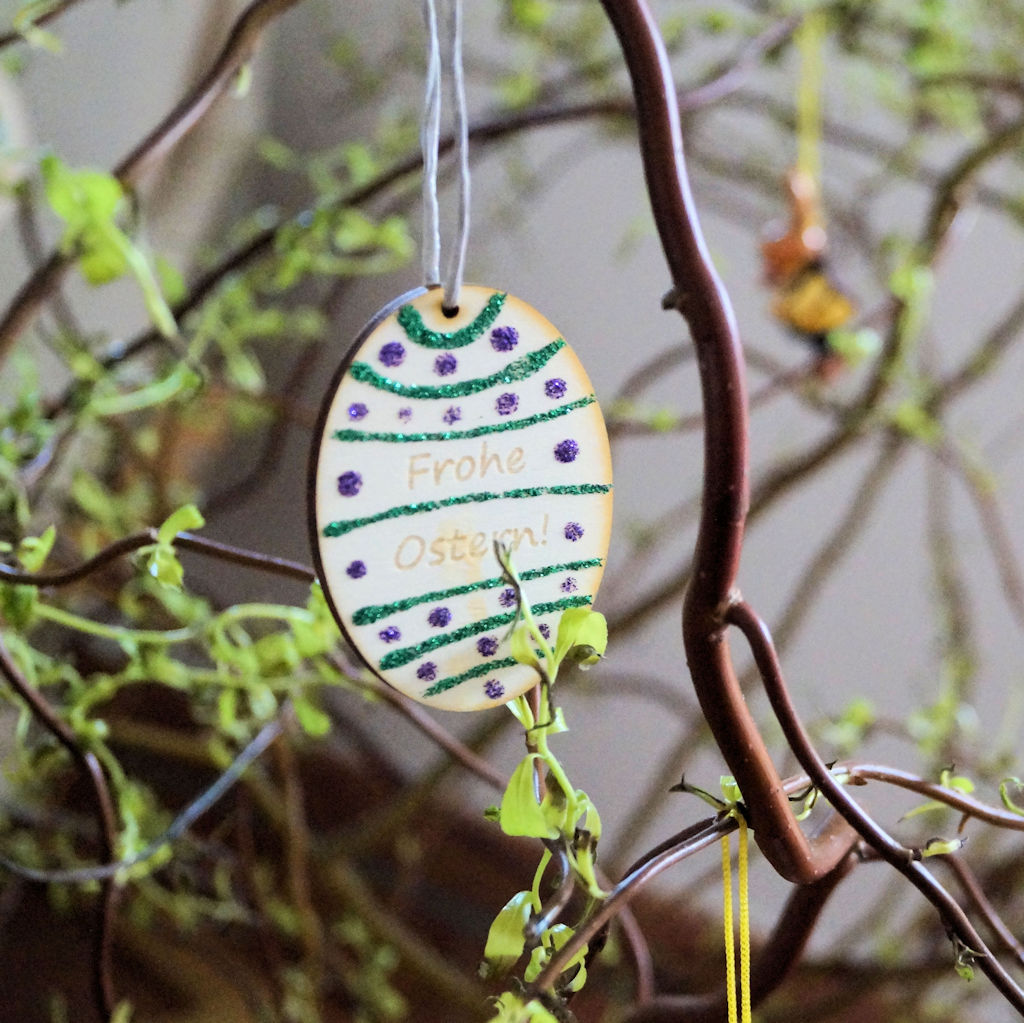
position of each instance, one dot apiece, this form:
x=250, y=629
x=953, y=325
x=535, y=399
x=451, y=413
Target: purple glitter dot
x=356, y=570
x=357, y=410
x=427, y=671
x=504, y=339
x=405, y=414
x=349, y=484
x=439, y=617
x=573, y=531
x=555, y=388
x=392, y=354
x=507, y=597
x=487, y=645
x=493, y=689
x=390, y=634
x=569, y=584
x=506, y=404
x=544, y=630
x=453, y=415
x=567, y=450
x=445, y=364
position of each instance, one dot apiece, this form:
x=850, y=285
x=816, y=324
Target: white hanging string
x=430, y=137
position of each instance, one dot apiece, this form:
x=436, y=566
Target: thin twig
x=90, y=766
x=199, y=806
x=984, y=906
x=993, y=528
x=59, y=7
x=148, y=537
x=953, y=798
x=691, y=841
x=418, y=715
x=840, y=540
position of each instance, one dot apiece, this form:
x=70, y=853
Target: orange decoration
x=804, y=239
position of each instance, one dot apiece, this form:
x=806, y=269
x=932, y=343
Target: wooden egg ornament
x=438, y=437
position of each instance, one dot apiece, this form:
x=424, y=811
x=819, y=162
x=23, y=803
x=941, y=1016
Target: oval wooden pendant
x=438, y=437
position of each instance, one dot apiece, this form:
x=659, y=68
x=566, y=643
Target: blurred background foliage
x=167, y=320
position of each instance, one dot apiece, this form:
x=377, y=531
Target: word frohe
x=440, y=470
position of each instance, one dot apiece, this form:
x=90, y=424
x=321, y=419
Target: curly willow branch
x=699, y=295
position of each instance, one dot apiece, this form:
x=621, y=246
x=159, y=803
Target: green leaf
x=164, y=567
x=555, y=938
x=521, y=646
x=79, y=197
x=122, y=1013
x=730, y=790
x=959, y=782
x=1004, y=795
x=522, y=712
x=582, y=636
x=520, y=813
x=88, y=201
x=914, y=421
x=854, y=345
x=964, y=957
x=183, y=519
x=591, y=818
x=529, y=14
x=942, y=846
x=24, y=22
x=34, y=550
x=519, y=89
x=558, y=723
x=262, y=701
x=18, y=604
x=507, y=938
x=924, y=808
x=170, y=278
x=227, y=713
x=314, y=721
x=512, y=1009
x=964, y=969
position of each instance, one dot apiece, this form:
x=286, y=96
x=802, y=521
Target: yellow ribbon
x=742, y=1014
x=810, y=40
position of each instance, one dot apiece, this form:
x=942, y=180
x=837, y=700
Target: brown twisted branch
x=699, y=295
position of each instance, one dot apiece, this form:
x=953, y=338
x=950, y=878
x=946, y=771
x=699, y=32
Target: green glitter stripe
x=417, y=331
x=477, y=431
x=341, y=527
x=456, y=680
x=518, y=369
x=398, y=658
x=375, y=612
